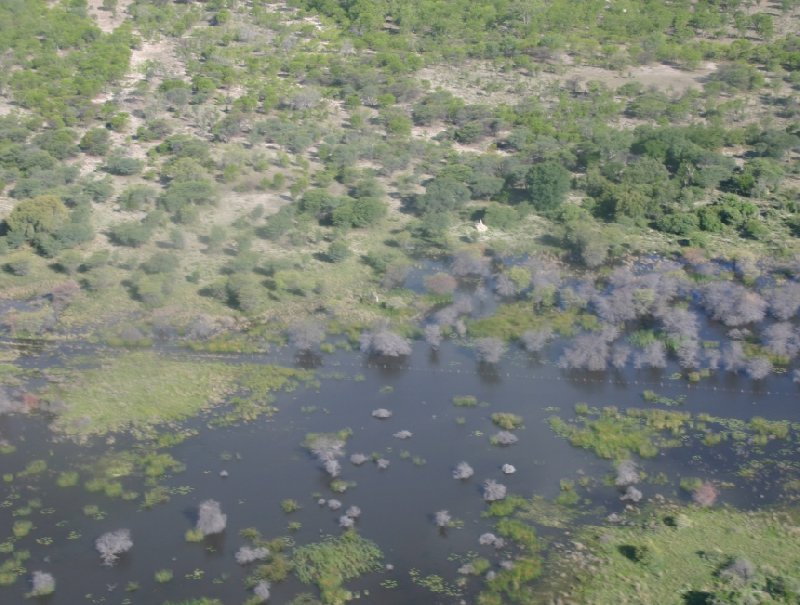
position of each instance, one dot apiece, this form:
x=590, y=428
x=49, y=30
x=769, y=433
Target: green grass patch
x=615, y=435
x=676, y=555
x=141, y=389
x=330, y=563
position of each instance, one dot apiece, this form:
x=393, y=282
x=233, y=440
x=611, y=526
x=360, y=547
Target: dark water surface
x=266, y=464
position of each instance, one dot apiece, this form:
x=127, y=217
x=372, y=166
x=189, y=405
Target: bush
x=338, y=251
x=131, y=233
x=37, y=216
x=122, y=165
x=95, y=142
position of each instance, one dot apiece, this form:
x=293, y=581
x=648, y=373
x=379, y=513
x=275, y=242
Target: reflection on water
x=264, y=464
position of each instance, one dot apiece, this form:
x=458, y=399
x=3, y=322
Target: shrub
x=95, y=142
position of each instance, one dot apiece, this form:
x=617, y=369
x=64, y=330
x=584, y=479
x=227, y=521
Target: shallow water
x=266, y=464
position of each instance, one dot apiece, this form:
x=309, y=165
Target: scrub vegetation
x=199, y=200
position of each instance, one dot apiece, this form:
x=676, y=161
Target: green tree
x=40, y=215
x=548, y=184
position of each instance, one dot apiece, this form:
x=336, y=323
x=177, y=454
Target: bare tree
x=627, y=473
x=653, y=355
x=689, y=353
x=492, y=490
x=63, y=294
x=784, y=300
x=334, y=504
x=346, y=522
x=733, y=304
x=384, y=342
x=42, y=584
x=535, y=340
x=358, y=459
x=781, y=339
x=441, y=283
x=588, y=351
x=433, y=335
x=112, y=544
x=631, y=494
x=353, y=512
x=210, y=519
x=758, y=368
x=705, y=494
x=404, y=434
x=463, y=471
x=306, y=335
x=328, y=449
x=442, y=518
x=504, y=438
x=261, y=590
x=680, y=323
x=733, y=357
x=489, y=539
x=249, y=554
x=740, y=570
x=505, y=286
x=467, y=262
x=489, y=350
x=381, y=413
x=620, y=353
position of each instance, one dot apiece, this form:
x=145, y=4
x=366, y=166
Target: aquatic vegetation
x=162, y=576
x=653, y=397
x=507, y=420
x=290, y=506
x=210, y=518
x=141, y=389
x=434, y=583
x=21, y=528
x=335, y=560
x=112, y=544
x=614, y=435
x=465, y=401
